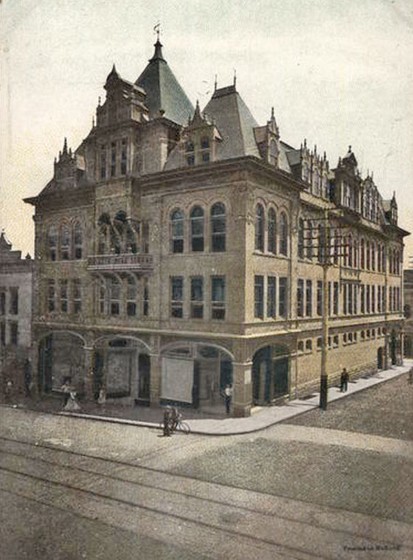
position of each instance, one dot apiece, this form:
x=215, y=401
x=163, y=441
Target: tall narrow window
x=368, y=255
x=131, y=297
x=283, y=234
x=14, y=333
x=177, y=231
x=218, y=297
x=362, y=254
x=115, y=296
x=309, y=240
x=2, y=301
x=51, y=295
x=272, y=231
x=103, y=162
x=259, y=228
x=373, y=256
x=282, y=297
x=300, y=298
x=124, y=157
x=309, y=298
x=190, y=155
x=177, y=296
x=197, y=298
x=319, y=298
x=218, y=227
x=363, y=299
x=2, y=333
x=113, y=159
x=259, y=297
x=78, y=240
x=335, y=297
x=145, y=297
x=197, y=229
x=65, y=242
x=271, y=297
x=102, y=289
x=301, y=238
x=77, y=295
x=64, y=304
x=52, y=243
x=14, y=301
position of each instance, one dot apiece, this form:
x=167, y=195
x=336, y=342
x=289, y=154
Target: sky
x=338, y=73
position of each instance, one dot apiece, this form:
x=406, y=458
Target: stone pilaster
x=242, y=389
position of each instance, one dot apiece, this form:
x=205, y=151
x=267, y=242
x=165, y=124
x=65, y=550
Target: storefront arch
x=195, y=375
x=122, y=369
x=270, y=374
x=61, y=356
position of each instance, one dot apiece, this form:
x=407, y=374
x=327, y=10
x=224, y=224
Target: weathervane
x=157, y=30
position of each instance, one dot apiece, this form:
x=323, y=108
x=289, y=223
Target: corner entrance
x=270, y=374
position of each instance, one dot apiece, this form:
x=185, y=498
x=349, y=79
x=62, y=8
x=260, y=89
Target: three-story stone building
x=179, y=250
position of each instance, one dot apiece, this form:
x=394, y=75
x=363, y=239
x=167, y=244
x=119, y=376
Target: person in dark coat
x=167, y=419
x=344, y=381
x=228, y=398
x=28, y=378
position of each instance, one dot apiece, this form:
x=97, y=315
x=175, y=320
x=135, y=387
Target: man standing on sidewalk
x=344, y=381
x=228, y=398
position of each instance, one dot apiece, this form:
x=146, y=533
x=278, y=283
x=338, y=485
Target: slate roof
x=234, y=122
x=163, y=91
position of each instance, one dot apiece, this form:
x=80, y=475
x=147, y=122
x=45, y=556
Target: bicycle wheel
x=184, y=428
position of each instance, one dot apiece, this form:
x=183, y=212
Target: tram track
x=52, y=476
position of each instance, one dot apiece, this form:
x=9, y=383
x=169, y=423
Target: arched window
x=197, y=229
x=301, y=238
x=259, y=228
x=65, y=242
x=52, y=242
x=78, y=240
x=272, y=231
x=362, y=255
x=218, y=227
x=177, y=231
x=283, y=234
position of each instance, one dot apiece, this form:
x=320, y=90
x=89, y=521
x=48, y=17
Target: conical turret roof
x=164, y=94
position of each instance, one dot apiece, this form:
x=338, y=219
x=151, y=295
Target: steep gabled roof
x=163, y=92
x=234, y=122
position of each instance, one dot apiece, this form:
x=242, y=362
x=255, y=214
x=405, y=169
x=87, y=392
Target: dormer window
x=190, y=155
x=204, y=143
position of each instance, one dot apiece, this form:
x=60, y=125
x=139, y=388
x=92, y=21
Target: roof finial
x=216, y=82
x=272, y=113
x=235, y=77
x=65, y=146
x=157, y=30
x=349, y=149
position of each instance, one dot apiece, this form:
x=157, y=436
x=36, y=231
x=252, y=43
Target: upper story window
x=301, y=238
x=283, y=234
x=131, y=297
x=218, y=297
x=197, y=229
x=177, y=231
x=115, y=296
x=197, y=298
x=204, y=143
x=309, y=240
x=218, y=228
x=124, y=157
x=259, y=228
x=52, y=242
x=65, y=242
x=113, y=159
x=2, y=301
x=77, y=295
x=64, y=304
x=272, y=231
x=190, y=152
x=14, y=301
x=102, y=162
x=362, y=254
x=273, y=152
x=177, y=296
x=78, y=240
x=51, y=295
x=259, y=297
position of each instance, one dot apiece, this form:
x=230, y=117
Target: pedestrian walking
x=8, y=390
x=344, y=380
x=72, y=404
x=228, y=398
x=66, y=388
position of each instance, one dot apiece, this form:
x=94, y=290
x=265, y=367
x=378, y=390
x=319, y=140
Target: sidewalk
x=261, y=418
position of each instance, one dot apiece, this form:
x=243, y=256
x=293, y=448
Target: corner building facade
x=179, y=250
